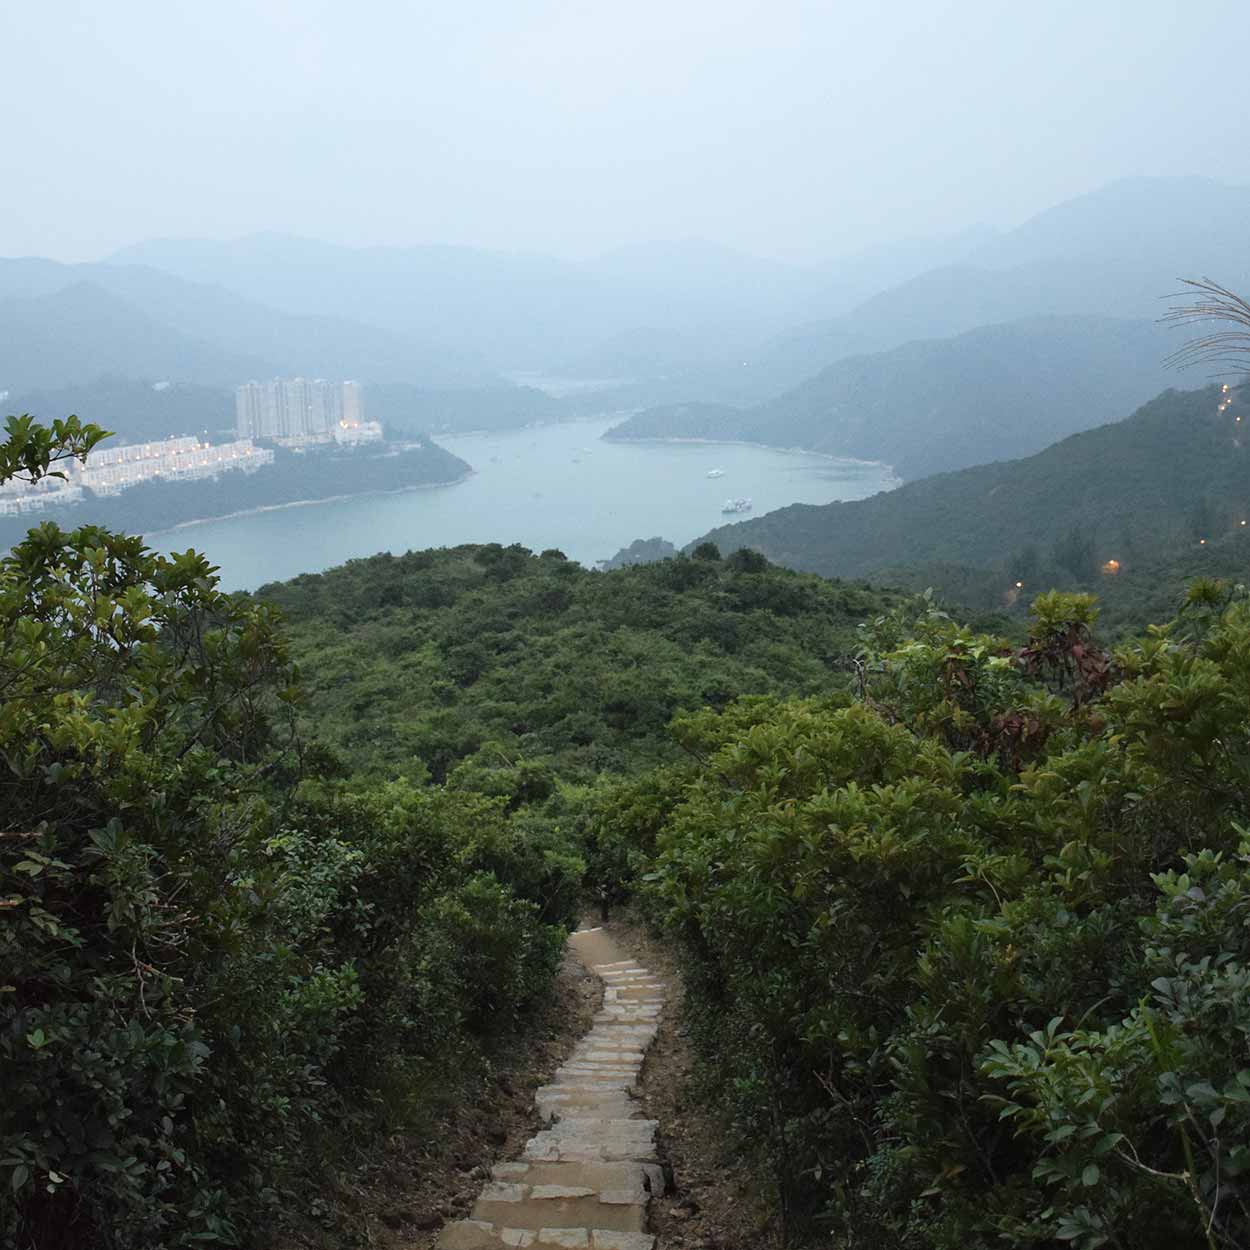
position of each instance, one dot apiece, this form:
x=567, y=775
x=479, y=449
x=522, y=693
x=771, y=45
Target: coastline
x=742, y=442
x=308, y=503
x=445, y=436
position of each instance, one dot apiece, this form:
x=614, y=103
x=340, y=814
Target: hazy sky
x=786, y=127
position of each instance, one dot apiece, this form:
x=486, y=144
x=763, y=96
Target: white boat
x=716, y=473
x=733, y=506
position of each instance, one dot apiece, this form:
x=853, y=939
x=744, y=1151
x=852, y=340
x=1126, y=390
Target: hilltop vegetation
x=493, y=667
x=1142, y=492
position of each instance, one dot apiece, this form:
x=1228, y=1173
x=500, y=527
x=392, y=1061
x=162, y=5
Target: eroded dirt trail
x=585, y=1181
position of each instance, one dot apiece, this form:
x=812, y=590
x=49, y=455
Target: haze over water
x=550, y=486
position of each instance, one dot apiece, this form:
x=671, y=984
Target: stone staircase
x=584, y=1181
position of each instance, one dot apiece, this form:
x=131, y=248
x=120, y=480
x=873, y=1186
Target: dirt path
x=585, y=1181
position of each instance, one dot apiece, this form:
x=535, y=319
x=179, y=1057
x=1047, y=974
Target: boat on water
x=716, y=473
x=733, y=506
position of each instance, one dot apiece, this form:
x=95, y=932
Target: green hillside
x=490, y=660
x=926, y=407
x=1139, y=491
x=137, y=411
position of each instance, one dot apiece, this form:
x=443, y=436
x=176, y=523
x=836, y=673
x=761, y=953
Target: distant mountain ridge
x=68, y=324
x=82, y=331
x=929, y=406
x=521, y=310
x=675, y=321
x=1116, y=251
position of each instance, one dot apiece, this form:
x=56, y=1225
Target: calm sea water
x=552, y=486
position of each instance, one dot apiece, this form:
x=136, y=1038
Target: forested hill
x=1135, y=491
x=137, y=411
x=495, y=668
x=940, y=404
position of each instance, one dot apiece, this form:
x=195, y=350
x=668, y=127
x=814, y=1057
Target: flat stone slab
x=485, y=1235
x=607, y=1127
x=585, y=1212
x=600, y=1240
x=593, y=1176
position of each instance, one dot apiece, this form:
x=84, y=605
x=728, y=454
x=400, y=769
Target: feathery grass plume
x=1221, y=347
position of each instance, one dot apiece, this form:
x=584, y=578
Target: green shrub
x=930, y=968
x=215, y=969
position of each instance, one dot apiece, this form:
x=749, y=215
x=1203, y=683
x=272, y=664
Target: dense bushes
x=496, y=670
x=967, y=925
x=969, y=956
x=217, y=971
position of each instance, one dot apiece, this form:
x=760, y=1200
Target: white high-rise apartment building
x=353, y=403
x=297, y=410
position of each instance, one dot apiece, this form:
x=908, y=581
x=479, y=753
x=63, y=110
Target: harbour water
x=549, y=486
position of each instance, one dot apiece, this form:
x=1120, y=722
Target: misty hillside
x=1113, y=252
x=408, y=410
x=926, y=407
x=1135, y=486
x=520, y=310
x=66, y=307
x=135, y=411
x=81, y=332
x=743, y=328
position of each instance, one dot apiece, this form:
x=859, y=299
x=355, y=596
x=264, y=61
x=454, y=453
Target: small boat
x=716, y=473
x=733, y=506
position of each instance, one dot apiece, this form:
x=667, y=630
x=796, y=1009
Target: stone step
x=565, y=1206
x=582, y=1104
x=591, y=1067
x=486, y=1235
x=593, y=1176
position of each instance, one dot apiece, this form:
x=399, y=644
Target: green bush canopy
x=212, y=966
x=970, y=954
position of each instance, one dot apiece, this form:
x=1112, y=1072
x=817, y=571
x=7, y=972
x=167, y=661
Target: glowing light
x=1111, y=568
x=1202, y=542
x=1019, y=585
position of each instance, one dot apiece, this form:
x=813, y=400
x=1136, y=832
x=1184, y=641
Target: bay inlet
x=546, y=486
